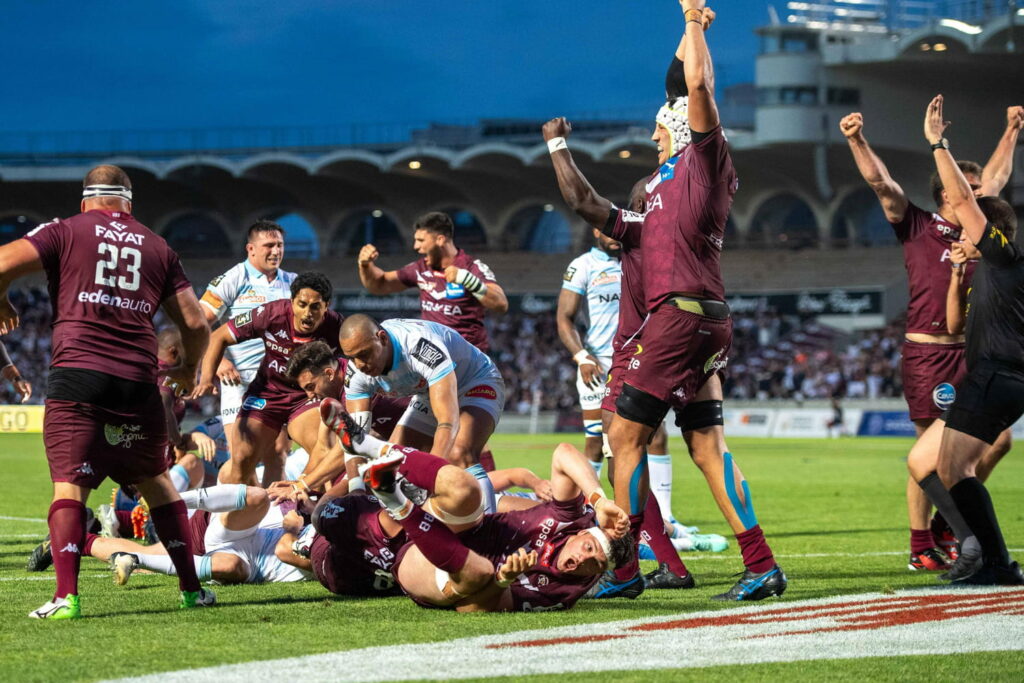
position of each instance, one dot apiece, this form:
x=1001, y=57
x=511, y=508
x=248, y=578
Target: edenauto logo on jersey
x=116, y=301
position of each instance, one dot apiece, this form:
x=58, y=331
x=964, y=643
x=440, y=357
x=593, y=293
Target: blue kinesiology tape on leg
x=636, y=505
x=745, y=510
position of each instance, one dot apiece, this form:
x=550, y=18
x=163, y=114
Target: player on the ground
x=933, y=359
x=272, y=400
x=991, y=396
x=684, y=343
x=10, y=373
x=456, y=289
x=457, y=393
x=108, y=274
x=257, y=280
x=542, y=558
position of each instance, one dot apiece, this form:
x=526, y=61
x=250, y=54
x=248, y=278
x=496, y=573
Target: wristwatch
x=941, y=144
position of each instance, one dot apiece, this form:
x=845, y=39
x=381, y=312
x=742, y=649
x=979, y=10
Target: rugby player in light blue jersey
x=255, y=281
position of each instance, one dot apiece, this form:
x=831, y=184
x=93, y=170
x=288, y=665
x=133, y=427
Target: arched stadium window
x=539, y=228
x=469, y=232
x=366, y=227
x=15, y=227
x=783, y=222
x=197, y=235
x=300, y=238
x=860, y=220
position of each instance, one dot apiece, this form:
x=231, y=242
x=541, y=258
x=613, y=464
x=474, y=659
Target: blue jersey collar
x=253, y=272
x=600, y=255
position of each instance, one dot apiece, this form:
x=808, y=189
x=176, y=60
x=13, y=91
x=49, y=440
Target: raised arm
x=16, y=259
x=185, y=312
x=890, y=194
x=958, y=192
x=698, y=69
x=997, y=171
x=572, y=474
x=375, y=279
x=955, y=295
x=576, y=190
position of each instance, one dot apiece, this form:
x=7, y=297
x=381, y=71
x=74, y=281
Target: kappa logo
x=282, y=334
x=85, y=468
x=70, y=548
x=428, y=353
x=943, y=395
x=123, y=435
x=482, y=391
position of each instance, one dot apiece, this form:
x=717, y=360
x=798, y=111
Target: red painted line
x=554, y=641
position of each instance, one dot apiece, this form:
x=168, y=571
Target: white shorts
x=231, y=396
x=487, y=395
x=254, y=546
x=590, y=399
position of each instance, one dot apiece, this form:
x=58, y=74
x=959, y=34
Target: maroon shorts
x=321, y=558
x=613, y=385
x=679, y=352
x=85, y=443
x=197, y=525
x=274, y=408
x=931, y=374
x=386, y=412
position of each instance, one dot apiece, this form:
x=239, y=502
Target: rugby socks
x=653, y=532
x=486, y=488
x=171, y=522
x=179, y=478
x=487, y=460
x=202, y=565
x=598, y=465
x=974, y=503
x=943, y=501
x=124, y=523
x=921, y=540
x=220, y=498
x=660, y=468
x=436, y=541
x=757, y=556
x=421, y=469
x=632, y=568
x=67, y=538
x=90, y=538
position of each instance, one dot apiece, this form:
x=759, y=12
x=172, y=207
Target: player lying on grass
x=542, y=558
x=238, y=536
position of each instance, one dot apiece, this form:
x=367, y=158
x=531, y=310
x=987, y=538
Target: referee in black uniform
x=991, y=396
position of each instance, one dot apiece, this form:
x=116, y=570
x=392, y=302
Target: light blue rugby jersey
x=242, y=289
x=597, y=277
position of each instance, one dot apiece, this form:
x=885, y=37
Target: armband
x=596, y=496
x=581, y=358
x=555, y=144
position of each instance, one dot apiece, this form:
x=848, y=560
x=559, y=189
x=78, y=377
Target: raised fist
x=1015, y=117
x=852, y=124
x=557, y=128
x=368, y=254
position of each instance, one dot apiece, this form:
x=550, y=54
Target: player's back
x=108, y=275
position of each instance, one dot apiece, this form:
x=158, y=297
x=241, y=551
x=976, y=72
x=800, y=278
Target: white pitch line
x=23, y=519
x=20, y=536
x=50, y=577
x=719, y=556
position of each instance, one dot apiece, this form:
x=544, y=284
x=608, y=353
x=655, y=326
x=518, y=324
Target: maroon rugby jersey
x=544, y=528
x=927, y=240
x=272, y=322
x=107, y=275
x=632, y=304
x=447, y=303
x=354, y=556
x=688, y=202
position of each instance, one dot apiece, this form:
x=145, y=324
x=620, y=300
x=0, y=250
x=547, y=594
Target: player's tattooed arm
x=873, y=170
x=576, y=190
x=444, y=402
x=997, y=171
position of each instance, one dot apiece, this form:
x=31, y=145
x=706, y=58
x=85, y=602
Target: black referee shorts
x=989, y=399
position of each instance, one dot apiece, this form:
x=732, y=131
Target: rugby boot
x=110, y=527
x=338, y=420
x=41, y=557
x=204, y=597
x=663, y=577
x=58, y=608
x=948, y=545
x=609, y=587
x=382, y=474
x=753, y=586
x=930, y=560
x=121, y=566
x=994, y=575
x=968, y=562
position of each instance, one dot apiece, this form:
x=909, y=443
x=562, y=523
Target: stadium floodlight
x=377, y=213
x=549, y=208
x=415, y=165
x=962, y=26
x=625, y=154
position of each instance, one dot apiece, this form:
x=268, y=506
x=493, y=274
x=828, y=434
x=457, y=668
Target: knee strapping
x=744, y=510
x=700, y=415
x=636, y=405
x=592, y=429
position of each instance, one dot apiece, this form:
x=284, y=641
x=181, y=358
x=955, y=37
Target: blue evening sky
x=102, y=65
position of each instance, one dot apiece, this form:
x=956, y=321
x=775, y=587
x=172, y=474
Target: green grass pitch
x=833, y=511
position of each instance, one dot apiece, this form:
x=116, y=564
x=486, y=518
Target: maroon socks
x=171, y=522
x=757, y=556
x=67, y=538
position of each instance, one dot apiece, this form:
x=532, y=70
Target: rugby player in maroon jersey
x=272, y=399
x=108, y=274
x=685, y=340
x=933, y=357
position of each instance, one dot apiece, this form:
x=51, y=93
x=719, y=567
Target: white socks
x=219, y=498
x=660, y=469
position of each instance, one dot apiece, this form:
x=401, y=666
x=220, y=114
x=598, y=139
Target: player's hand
x=1015, y=117
x=451, y=273
x=611, y=518
x=556, y=128
x=368, y=254
x=227, y=373
x=206, y=446
x=852, y=125
x=283, y=490
x=8, y=316
x=182, y=379
x=515, y=564
x=957, y=253
x=934, y=125
x=204, y=389
x=544, y=491
x=591, y=374
x=24, y=389
x=708, y=18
